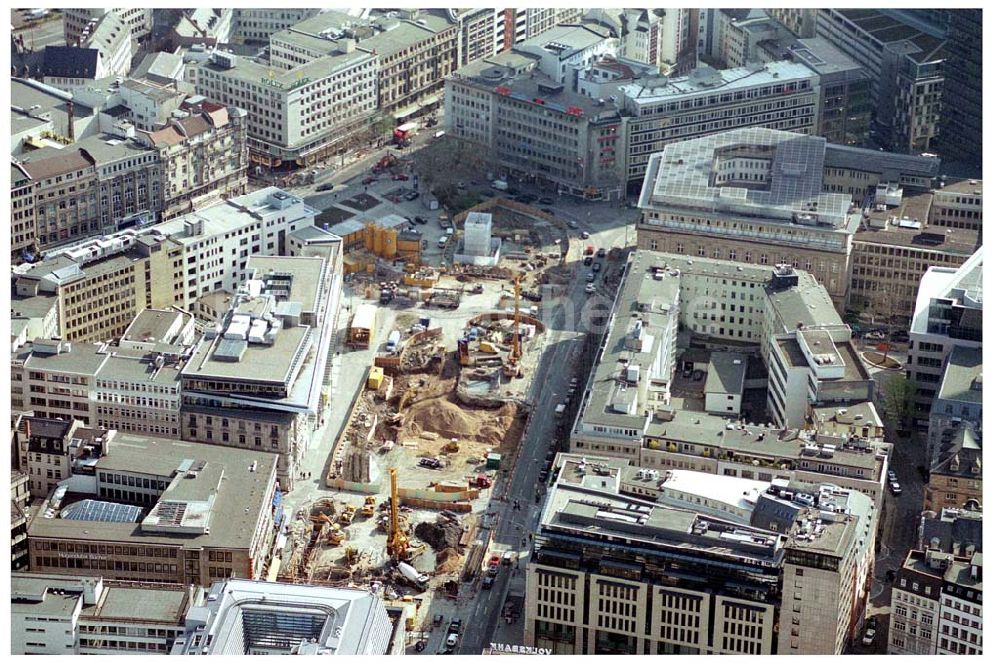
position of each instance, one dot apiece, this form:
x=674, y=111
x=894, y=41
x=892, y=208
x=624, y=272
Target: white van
x=439, y=134
x=442, y=242
x=393, y=342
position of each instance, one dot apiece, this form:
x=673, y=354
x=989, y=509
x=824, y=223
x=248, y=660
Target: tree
x=899, y=396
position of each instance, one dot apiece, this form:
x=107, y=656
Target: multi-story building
x=65, y=185
x=171, y=263
x=742, y=37
x=734, y=194
x=948, y=315
x=524, y=23
x=906, y=66
x=23, y=227
x=20, y=496
x=301, y=113
x=956, y=480
x=958, y=205
x=262, y=618
x=897, y=244
x=138, y=20
x=104, y=49
x=959, y=400
x=47, y=450
x=845, y=91
x=632, y=590
x=161, y=511
x=937, y=604
x=782, y=96
x=148, y=105
x=534, y=127
x=258, y=382
x=861, y=173
x=962, y=98
x=257, y=24
x=800, y=21
x=955, y=531
x=53, y=614
x=480, y=33
x=203, y=157
x=204, y=25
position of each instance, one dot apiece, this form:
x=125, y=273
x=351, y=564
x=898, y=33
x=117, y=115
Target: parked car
x=488, y=582
x=546, y=201
x=438, y=619
x=588, y=261
x=420, y=220
x=400, y=176
x=869, y=636
x=895, y=488
x=590, y=288
x=411, y=195
x=602, y=253
x=892, y=476
x=590, y=277
x=368, y=180
x=325, y=187
x=572, y=224
x=584, y=235
x=430, y=463
x=452, y=640
x=597, y=267
x=455, y=626
x=494, y=560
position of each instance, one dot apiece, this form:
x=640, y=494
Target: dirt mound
x=444, y=417
x=440, y=537
x=449, y=561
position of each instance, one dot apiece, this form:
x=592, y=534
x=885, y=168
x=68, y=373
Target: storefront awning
x=406, y=111
x=433, y=99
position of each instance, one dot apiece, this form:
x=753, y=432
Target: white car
x=452, y=640
x=590, y=288
x=895, y=488
x=869, y=637
x=584, y=235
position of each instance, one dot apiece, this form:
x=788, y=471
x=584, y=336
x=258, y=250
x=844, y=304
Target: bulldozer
x=347, y=517
x=368, y=510
x=336, y=535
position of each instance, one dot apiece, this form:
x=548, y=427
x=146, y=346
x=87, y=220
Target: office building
x=955, y=531
x=937, y=604
x=257, y=618
x=72, y=614
x=904, y=236
x=257, y=24
x=736, y=194
x=906, y=66
x=65, y=186
x=948, y=315
x=296, y=114
x=138, y=21
x=171, y=263
x=48, y=448
x=20, y=497
x=962, y=97
x=959, y=401
x=781, y=96
x=845, y=91
x=661, y=578
x=958, y=205
x=524, y=23
x=159, y=510
x=257, y=381
x=480, y=33
x=800, y=21
x=204, y=25
x=532, y=126
x=33, y=317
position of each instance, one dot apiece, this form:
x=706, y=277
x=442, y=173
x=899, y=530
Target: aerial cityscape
x=534, y=331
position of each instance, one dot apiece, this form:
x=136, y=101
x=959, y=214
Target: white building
x=724, y=383
x=948, y=314
x=65, y=615
x=479, y=247
x=244, y=617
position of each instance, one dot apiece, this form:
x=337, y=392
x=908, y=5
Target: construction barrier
x=355, y=486
x=457, y=507
x=423, y=493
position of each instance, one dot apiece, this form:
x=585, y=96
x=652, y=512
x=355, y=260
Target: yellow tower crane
x=397, y=544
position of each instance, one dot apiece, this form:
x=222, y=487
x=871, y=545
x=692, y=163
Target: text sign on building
x=506, y=648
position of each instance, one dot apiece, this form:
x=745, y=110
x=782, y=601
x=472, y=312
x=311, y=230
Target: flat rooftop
x=807, y=303
x=707, y=80
x=268, y=364
x=301, y=277
x=225, y=479
x=152, y=325
x=887, y=29
x=963, y=376
x=788, y=189
x=726, y=373
x=907, y=226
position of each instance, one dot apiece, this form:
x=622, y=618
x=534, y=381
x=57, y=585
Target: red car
x=368, y=180
x=494, y=565
x=400, y=176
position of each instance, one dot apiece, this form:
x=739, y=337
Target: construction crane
x=396, y=544
x=513, y=366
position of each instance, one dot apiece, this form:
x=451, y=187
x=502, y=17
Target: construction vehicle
x=368, y=510
x=336, y=535
x=397, y=544
x=480, y=481
x=347, y=517
x=513, y=366
x=450, y=447
x=409, y=573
